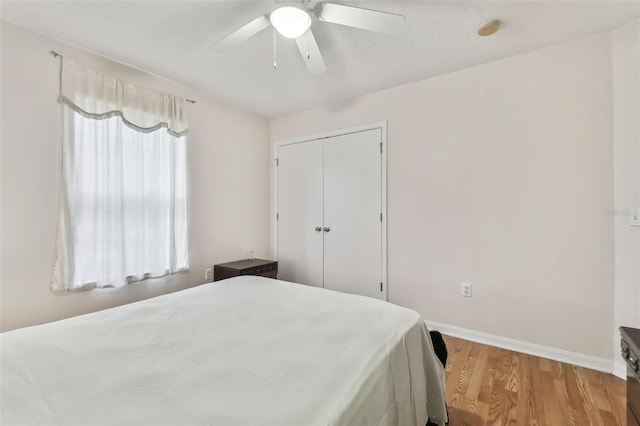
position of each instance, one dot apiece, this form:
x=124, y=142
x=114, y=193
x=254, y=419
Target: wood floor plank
x=540, y=406
x=492, y=386
x=476, y=380
x=513, y=380
x=588, y=397
x=616, y=392
x=562, y=397
x=525, y=393
x=553, y=406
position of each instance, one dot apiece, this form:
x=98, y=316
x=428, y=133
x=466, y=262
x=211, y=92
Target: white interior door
x=300, y=211
x=352, y=208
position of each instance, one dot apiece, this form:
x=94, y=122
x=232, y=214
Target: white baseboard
x=582, y=360
x=620, y=369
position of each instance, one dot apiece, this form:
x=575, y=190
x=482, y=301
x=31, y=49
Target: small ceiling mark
x=488, y=28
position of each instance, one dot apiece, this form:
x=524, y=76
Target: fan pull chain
x=275, y=63
x=308, y=36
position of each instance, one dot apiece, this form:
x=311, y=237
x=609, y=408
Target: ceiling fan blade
x=242, y=34
x=311, y=53
x=372, y=20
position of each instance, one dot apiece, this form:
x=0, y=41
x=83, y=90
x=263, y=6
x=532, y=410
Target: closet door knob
x=326, y=229
x=318, y=229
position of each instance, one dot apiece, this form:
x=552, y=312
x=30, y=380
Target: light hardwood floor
x=493, y=386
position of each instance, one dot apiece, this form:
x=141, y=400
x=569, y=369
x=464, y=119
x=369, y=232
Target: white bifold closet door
x=329, y=212
x=300, y=212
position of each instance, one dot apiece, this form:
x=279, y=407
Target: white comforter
x=244, y=351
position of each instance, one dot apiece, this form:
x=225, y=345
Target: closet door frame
x=383, y=187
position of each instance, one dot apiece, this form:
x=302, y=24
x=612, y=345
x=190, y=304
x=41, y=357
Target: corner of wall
x=625, y=66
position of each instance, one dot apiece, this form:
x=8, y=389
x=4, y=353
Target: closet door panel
x=300, y=246
x=352, y=207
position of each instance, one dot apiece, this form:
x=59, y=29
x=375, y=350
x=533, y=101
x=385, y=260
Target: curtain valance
x=100, y=96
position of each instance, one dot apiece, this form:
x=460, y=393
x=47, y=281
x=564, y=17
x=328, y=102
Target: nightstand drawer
x=261, y=267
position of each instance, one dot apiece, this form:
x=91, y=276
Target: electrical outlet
x=208, y=275
x=466, y=290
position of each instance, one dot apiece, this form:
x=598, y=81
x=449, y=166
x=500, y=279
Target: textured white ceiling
x=172, y=39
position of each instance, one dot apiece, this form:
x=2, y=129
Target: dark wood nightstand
x=265, y=268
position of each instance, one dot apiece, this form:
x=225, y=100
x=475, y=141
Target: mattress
x=243, y=351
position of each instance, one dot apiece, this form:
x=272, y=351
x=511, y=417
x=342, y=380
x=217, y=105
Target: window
x=124, y=176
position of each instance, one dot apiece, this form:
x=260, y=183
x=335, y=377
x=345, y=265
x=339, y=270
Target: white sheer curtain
x=123, y=214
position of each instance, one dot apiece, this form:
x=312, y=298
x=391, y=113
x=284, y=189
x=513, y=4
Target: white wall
x=626, y=138
x=228, y=154
x=499, y=175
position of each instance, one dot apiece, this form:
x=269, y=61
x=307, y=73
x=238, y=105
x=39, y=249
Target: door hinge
x=277, y=216
x=380, y=217
x=380, y=147
x=277, y=162
x=380, y=286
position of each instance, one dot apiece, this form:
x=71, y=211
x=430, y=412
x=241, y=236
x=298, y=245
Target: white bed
x=243, y=351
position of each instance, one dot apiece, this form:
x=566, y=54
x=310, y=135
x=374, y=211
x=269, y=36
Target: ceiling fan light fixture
x=290, y=21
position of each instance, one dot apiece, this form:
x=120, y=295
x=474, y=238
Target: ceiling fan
x=292, y=19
